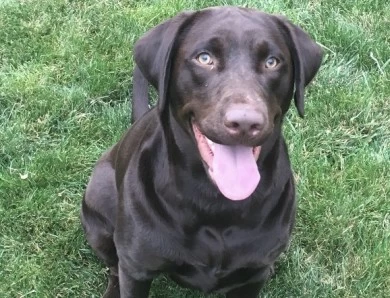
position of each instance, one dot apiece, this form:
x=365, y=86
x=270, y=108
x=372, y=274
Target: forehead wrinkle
x=250, y=32
x=242, y=19
x=237, y=32
x=231, y=21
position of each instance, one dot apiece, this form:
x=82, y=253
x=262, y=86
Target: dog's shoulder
x=142, y=134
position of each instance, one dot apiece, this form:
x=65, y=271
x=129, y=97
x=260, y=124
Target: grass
x=65, y=72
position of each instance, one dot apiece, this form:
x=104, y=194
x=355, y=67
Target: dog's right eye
x=204, y=59
x=271, y=62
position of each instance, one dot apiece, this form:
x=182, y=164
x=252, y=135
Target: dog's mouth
x=232, y=168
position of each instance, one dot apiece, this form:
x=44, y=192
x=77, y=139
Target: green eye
x=204, y=59
x=271, y=62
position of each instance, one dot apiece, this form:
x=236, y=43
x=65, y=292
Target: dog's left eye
x=271, y=62
x=204, y=59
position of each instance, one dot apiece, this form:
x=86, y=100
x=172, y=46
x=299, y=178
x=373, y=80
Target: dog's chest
x=217, y=261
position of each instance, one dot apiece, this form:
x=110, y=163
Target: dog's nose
x=244, y=122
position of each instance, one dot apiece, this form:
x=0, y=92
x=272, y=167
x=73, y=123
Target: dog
x=201, y=188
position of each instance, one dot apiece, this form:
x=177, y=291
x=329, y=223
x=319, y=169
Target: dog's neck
x=181, y=159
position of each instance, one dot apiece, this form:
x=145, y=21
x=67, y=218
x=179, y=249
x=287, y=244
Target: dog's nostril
x=244, y=121
x=255, y=128
x=233, y=124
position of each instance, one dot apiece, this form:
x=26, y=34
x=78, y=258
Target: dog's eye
x=271, y=62
x=204, y=59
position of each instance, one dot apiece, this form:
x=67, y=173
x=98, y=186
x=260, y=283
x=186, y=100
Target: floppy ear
x=153, y=53
x=306, y=55
x=140, y=102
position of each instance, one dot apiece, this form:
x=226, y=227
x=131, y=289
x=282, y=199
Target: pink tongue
x=235, y=171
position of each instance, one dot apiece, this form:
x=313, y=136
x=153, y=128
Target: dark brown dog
x=201, y=187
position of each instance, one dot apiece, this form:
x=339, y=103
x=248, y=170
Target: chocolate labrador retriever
x=201, y=187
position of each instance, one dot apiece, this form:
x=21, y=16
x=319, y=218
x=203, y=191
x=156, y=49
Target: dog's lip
x=206, y=146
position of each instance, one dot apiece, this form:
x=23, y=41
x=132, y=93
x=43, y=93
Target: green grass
x=65, y=69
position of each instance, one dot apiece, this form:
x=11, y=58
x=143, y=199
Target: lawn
x=65, y=73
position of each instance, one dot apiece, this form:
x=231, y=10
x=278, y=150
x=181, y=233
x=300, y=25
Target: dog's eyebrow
x=265, y=48
x=262, y=48
x=215, y=45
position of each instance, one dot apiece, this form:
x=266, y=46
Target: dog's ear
x=306, y=55
x=153, y=51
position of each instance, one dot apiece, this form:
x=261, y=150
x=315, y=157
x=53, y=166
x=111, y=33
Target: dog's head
x=228, y=75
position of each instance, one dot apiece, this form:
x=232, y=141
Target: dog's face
x=231, y=77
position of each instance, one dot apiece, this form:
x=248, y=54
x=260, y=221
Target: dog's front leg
x=247, y=291
x=131, y=287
